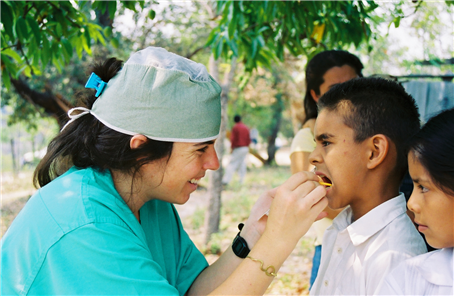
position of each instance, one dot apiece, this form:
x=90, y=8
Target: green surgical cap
x=162, y=96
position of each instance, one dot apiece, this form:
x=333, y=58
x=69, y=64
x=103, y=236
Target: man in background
x=240, y=140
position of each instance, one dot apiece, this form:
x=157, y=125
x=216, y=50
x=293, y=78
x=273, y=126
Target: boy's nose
x=314, y=157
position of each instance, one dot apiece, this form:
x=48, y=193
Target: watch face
x=240, y=247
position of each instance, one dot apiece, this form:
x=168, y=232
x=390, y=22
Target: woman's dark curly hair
x=87, y=142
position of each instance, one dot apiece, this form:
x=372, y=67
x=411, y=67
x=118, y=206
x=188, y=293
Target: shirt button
x=326, y=283
x=339, y=250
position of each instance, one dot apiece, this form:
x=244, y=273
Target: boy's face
x=338, y=158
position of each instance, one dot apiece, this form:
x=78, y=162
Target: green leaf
x=35, y=29
x=26, y=70
x=152, y=14
x=7, y=19
x=254, y=48
x=219, y=48
x=232, y=21
x=396, y=22
x=107, y=32
x=129, y=5
x=100, y=5
x=11, y=53
x=79, y=46
x=21, y=29
x=115, y=43
x=45, y=53
x=233, y=47
x=67, y=47
x=212, y=37
x=6, y=80
x=112, y=5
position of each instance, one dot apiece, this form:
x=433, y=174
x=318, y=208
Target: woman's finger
x=297, y=179
x=314, y=198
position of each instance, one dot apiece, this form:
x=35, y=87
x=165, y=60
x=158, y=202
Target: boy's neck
x=363, y=206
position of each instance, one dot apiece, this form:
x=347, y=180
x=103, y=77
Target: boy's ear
x=314, y=95
x=379, y=148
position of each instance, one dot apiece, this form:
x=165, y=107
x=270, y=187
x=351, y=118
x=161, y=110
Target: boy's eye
x=422, y=188
x=325, y=143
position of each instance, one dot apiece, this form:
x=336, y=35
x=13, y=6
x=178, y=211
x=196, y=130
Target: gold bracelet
x=268, y=273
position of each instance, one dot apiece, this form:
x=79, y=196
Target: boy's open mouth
x=327, y=181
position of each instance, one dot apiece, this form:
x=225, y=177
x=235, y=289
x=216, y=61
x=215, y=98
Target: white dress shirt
x=356, y=257
x=427, y=274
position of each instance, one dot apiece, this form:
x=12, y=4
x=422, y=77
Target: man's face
x=338, y=158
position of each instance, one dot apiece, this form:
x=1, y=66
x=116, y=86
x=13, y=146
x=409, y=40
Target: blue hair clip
x=95, y=82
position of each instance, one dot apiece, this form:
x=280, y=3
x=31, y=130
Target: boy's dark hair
x=434, y=148
x=89, y=143
x=237, y=118
x=318, y=66
x=376, y=106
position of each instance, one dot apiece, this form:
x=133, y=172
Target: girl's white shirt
x=427, y=274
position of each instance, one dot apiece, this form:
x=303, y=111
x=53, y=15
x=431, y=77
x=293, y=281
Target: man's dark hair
x=318, y=66
x=372, y=106
x=237, y=118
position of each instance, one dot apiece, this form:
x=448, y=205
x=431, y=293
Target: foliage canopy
x=259, y=31
x=36, y=33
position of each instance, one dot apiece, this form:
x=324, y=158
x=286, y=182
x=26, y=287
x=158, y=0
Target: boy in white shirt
x=361, y=131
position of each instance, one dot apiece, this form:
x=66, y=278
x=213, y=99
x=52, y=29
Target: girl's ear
x=137, y=140
x=314, y=96
x=378, y=150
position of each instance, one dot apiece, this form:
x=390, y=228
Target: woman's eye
x=203, y=149
x=422, y=188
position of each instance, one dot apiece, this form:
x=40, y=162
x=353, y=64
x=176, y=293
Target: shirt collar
x=372, y=222
x=437, y=267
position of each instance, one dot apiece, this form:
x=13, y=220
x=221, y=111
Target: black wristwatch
x=239, y=245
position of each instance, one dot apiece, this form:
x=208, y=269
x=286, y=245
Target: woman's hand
x=256, y=223
x=296, y=204
x=291, y=195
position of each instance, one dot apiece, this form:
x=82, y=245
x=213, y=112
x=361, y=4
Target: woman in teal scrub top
x=106, y=223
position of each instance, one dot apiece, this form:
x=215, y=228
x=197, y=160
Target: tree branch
x=54, y=105
x=190, y=55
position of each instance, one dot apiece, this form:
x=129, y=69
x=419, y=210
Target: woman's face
x=175, y=180
x=432, y=207
x=332, y=77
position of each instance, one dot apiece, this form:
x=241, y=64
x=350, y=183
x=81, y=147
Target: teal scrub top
x=77, y=236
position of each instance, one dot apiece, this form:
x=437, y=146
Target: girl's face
x=432, y=207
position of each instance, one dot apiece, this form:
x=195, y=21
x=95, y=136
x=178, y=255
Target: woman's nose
x=212, y=161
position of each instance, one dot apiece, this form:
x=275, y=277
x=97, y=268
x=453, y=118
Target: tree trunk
x=212, y=217
x=277, y=118
x=13, y=157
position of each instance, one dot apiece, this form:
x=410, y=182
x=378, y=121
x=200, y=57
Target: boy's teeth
x=194, y=181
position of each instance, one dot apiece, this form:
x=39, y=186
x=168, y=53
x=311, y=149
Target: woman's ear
x=378, y=150
x=137, y=140
x=314, y=96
